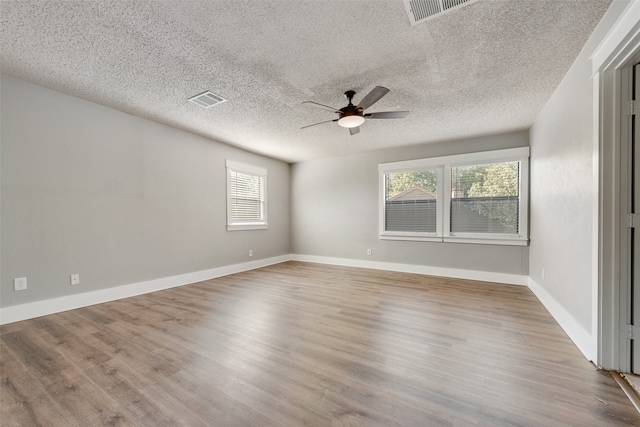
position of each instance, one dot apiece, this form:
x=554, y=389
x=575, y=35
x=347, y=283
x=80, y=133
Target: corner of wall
x=586, y=343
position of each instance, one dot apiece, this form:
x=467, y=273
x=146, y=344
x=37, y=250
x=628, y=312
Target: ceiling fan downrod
x=350, y=94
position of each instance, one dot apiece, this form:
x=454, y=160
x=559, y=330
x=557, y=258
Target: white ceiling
x=485, y=68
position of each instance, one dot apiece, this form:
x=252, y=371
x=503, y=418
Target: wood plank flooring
x=306, y=344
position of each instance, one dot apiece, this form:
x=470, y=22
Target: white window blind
x=246, y=197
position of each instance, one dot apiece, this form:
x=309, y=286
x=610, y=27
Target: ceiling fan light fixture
x=351, y=121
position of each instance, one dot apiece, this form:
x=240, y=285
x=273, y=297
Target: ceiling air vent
x=423, y=10
x=207, y=99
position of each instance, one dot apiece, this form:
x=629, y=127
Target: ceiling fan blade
x=319, y=123
x=324, y=107
x=353, y=131
x=387, y=115
x=373, y=97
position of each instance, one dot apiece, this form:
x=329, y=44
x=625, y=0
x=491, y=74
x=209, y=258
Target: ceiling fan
x=352, y=116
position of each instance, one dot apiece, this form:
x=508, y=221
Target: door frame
x=619, y=49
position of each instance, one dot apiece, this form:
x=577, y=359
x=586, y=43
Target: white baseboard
x=485, y=276
x=582, y=339
x=31, y=310
x=16, y=313
x=585, y=342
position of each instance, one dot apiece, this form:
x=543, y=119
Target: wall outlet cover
x=19, y=283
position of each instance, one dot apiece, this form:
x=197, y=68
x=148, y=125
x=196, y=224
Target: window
x=411, y=202
x=246, y=197
x=484, y=198
x=473, y=198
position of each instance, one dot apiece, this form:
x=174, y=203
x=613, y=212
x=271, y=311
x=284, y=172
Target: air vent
x=423, y=10
x=207, y=99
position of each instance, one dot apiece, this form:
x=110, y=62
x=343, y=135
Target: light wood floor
x=306, y=344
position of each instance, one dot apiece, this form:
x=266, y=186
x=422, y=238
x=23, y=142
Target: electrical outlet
x=19, y=283
x=75, y=279
x=368, y=251
x=250, y=252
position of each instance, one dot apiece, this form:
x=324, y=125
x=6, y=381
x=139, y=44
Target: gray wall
x=115, y=198
x=334, y=211
x=562, y=186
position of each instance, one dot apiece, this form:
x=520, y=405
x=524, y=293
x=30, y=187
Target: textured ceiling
x=485, y=68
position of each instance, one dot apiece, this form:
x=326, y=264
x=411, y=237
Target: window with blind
x=473, y=198
x=246, y=197
x=485, y=198
x=411, y=201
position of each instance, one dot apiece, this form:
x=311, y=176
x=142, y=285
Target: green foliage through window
x=398, y=182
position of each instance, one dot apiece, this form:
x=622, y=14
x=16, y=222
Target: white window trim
x=444, y=165
x=249, y=170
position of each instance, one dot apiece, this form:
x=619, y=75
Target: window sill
x=238, y=227
x=488, y=241
x=451, y=239
x=410, y=237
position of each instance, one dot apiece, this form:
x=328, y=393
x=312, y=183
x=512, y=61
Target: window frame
x=234, y=224
x=410, y=166
x=444, y=165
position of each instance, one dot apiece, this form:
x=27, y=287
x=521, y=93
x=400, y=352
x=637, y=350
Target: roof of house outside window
x=414, y=193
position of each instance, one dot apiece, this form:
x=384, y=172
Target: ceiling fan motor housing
x=351, y=110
